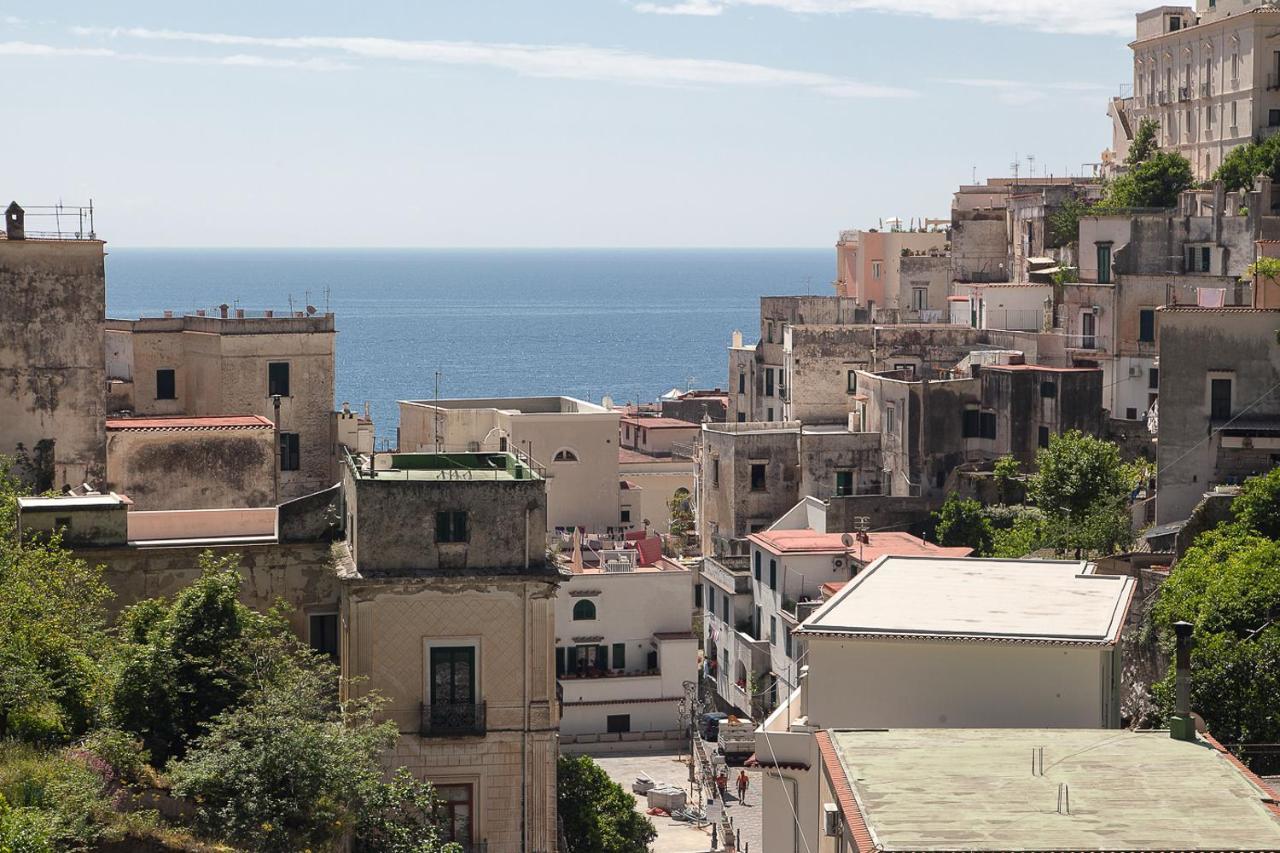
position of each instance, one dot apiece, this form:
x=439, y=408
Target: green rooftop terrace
x=445, y=467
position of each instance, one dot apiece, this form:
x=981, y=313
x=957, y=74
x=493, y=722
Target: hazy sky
x=542, y=122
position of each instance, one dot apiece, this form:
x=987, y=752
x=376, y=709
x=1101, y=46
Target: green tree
x=961, y=523
x=1006, y=472
x=681, y=513
x=1145, y=142
x=1155, y=182
x=1245, y=162
x=1024, y=536
x=1082, y=487
x=598, y=815
x=1258, y=506
x=1064, y=223
x=1228, y=587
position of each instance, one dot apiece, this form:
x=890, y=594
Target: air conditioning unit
x=1135, y=370
x=830, y=820
x=839, y=564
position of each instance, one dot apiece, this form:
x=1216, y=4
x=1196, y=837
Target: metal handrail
x=452, y=719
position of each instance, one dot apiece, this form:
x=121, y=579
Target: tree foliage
x=598, y=815
x=681, y=513
x=961, y=523
x=1063, y=223
x=1155, y=182
x=1145, y=143
x=1258, y=506
x=1245, y=162
x=1082, y=487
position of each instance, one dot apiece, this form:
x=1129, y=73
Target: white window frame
x=890, y=419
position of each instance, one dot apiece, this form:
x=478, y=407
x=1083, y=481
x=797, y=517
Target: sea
x=586, y=323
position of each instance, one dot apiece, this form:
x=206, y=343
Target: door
x=1088, y=330
x=453, y=687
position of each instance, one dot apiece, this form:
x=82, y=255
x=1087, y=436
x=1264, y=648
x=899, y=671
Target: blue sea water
x=584, y=323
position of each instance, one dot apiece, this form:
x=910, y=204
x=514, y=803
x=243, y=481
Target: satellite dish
x=846, y=539
x=607, y=402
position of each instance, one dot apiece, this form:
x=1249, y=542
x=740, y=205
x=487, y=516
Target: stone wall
x=194, y=468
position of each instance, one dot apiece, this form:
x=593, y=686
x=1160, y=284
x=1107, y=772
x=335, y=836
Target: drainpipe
x=275, y=404
x=524, y=734
x=1182, y=726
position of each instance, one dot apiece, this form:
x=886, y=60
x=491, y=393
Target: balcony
x=452, y=719
x=1273, y=81
x=1184, y=94
x=1206, y=90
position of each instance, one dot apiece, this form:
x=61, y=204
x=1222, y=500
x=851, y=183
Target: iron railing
x=452, y=719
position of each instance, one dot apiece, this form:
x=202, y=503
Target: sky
x=543, y=123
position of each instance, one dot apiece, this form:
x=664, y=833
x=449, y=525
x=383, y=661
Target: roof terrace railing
x=57, y=221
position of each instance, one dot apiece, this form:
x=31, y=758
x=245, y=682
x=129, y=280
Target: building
x=944, y=642
x=174, y=463
x=231, y=364
x=695, y=405
x=1208, y=75
x=754, y=608
x=453, y=620
x=1035, y=789
x=651, y=483
x=53, y=289
x=624, y=651
x=658, y=436
x=869, y=268
x=1219, y=413
x=574, y=441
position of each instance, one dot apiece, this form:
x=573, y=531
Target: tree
x=1258, y=506
x=598, y=815
x=1145, y=142
x=1245, y=162
x=1156, y=182
x=681, y=514
x=1064, y=223
x=1082, y=487
x=1021, y=538
x=1228, y=587
x=961, y=523
x=1006, y=471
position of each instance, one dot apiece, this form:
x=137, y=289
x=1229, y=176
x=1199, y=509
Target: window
x=773, y=574
x=290, y=458
x=1153, y=378
x=453, y=675
x=565, y=456
x=742, y=417
x=1131, y=413
x=768, y=413
x=617, y=723
x=768, y=381
x=451, y=527
x=758, y=561
x=626, y=431
x=619, y=655
x=560, y=655
x=773, y=630
x=769, y=327
x=278, y=378
x=166, y=386
x=697, y=596
x=1147, y=325
x=890, y=420
x=1043, y=438
x=844, y=483
x=989, y=425
x=851, y=381
x=1175, y=23
x=1048, y=390
x=1220, y=399
x=757, y=477
x=626, y=516
x=454, y=811
x=1104, y=263
x=1273, y=118
x=725, y=609
x=972, y=427
x=920, y=298
x=323, y=634
x=786, y=640
x=1088, y=330
x=584, y=611
x=742, y=382
x=907, y=368
x=715, y=472
x=875, y=268
x=1204, y=259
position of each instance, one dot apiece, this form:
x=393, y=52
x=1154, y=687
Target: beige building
x=869, y=269
x=574, y=442
x=1209, y=75
x=652, y=483
x=943, y=642
x=52, y=307
x=448, y=610
x=234, y=365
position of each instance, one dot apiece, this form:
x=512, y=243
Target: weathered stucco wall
x=193, y=469
x=52, y=370
x=730, y=509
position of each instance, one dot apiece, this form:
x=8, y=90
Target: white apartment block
x=1210, y=76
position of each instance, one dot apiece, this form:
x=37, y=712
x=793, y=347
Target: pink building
x=869, y=267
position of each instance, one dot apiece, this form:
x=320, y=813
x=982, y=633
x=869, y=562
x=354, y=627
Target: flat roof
x=451, y=467
x=545, y=405
x=807, y=541
x=185, y=423
x=659, y=423
x=974, y=790
x=949, y=598
x=74, y=502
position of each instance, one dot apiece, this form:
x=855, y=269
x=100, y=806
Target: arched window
x=584, y=610
x=565, y=455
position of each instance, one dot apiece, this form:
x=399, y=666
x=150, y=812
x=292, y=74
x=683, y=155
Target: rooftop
x=807, y=541
x=66, y=502
x=452, y=467
x=517, y=405
x=659, y=423
x=949, y=598
x=973, y=790
x=184, y=423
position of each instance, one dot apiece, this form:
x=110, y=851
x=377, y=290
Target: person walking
x=744, y=781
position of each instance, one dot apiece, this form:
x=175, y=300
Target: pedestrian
x=722, y=782
x=743, y=782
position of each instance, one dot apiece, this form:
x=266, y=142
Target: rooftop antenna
x=435, y=416
x=975, y=174
x=290, y=304
x=1031, y=165
x=326, y=299
x=1014, y=166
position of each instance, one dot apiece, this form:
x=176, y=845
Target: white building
x=943, y=642
x=624, y=651
x=576, y=442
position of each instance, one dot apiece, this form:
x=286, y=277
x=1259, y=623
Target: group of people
x=744, y=782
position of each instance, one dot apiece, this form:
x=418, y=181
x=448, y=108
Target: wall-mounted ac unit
x=839, y=564
x=1135, y=370
x=830, y=820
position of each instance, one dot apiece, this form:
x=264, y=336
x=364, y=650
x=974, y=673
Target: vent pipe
x=1182, y=725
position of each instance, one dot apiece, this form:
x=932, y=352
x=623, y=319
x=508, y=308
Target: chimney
x=222, y=310
x=239, y=313
x=15, y=222
x=1182, y=726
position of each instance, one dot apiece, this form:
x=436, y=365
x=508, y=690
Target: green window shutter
x=619, y=655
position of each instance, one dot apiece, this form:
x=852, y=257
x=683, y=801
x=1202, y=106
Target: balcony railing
x=452, y=719
x=1184, y=93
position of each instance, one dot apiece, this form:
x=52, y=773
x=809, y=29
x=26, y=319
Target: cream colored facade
x=869, y=264
x=1209, y=75
x=576, y=442
x=658, y=479
x=224, y=366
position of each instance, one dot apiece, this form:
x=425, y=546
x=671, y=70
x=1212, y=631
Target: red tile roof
x=185, y=423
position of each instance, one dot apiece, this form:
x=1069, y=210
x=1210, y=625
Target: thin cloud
x=1021, y=92
x=22, y=48
x=1081, y=17
x=573, y=62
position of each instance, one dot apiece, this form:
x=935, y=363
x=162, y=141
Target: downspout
x=524, y=733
